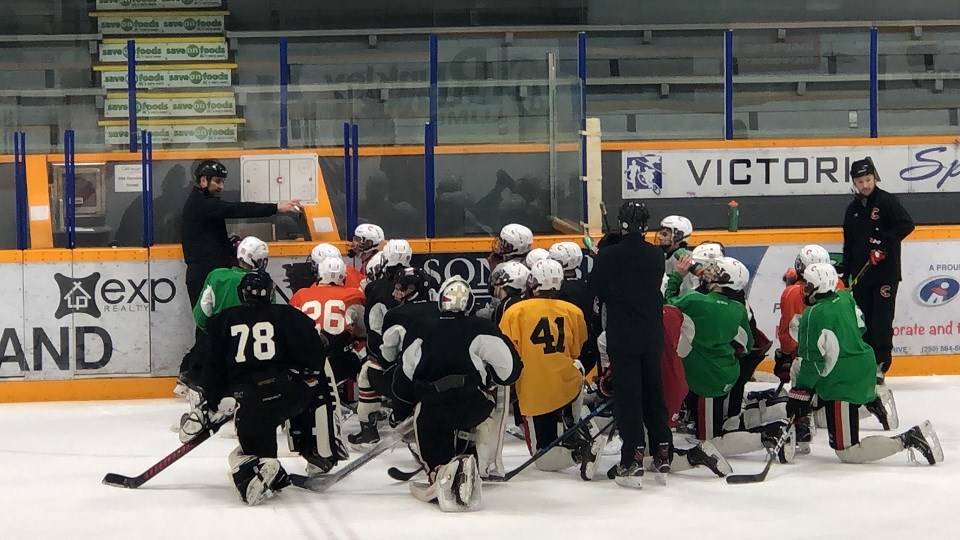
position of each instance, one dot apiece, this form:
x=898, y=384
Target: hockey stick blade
x=119, y=480
x=762, y=475
x=323, y=483
x=402, y=476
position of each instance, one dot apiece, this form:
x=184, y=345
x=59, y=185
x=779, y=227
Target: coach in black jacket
x=626, y=277
x=203, y=235
x=873, y=227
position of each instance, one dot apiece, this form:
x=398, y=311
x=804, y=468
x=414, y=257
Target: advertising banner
x=151, y=24
x=172, y=328
x=749, y=172
x=178, y=134
x=14, y=361
x=166, y=52
x=172, y=106
x=169, y=77
x=156, y=4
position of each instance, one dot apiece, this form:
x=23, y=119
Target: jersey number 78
x=263, y=345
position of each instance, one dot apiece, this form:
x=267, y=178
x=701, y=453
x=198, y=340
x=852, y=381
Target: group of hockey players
x=385, y=339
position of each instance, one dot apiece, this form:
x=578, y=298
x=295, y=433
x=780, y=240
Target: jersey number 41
x=543, y=335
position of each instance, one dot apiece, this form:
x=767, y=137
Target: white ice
x=54, y=455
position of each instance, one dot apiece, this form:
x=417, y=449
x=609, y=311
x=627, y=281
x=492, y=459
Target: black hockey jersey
x=577, y=292
x=400, y=320
x=380, y=299
x=253, y=343
x=441, y=349
x=502, y=306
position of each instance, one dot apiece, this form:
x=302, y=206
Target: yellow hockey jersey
x=548, y=334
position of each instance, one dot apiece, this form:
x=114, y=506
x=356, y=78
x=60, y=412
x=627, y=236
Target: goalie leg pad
x=256, y=479
x=315, y=433
x=458, y=485
x=490, y=435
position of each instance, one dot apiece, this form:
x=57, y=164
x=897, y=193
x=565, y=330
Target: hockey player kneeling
x=267, y=364
x=713, y=324
x=447, y=363
x=834, y=362
x=549, y=334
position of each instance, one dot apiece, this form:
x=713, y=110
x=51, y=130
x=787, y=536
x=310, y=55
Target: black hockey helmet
x=256, y=288
x=414, y=284
x=210, y=168
x=633, y=217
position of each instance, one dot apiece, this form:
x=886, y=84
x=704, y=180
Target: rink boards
x=115, y=323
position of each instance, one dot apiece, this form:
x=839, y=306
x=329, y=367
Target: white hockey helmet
x=254, y=252
x=536, y=255
x=810, y=254
x=546, y=275
x=374, y=268
x=321, y=252
x=568, y=254
x=514, y=239
x=707, y=253
x=675, y=229
x=366, y=237
x=511, y=274
x=727, y=272
x=332, y=271
x=455, y=296
x=397, y=252
x=821, y=278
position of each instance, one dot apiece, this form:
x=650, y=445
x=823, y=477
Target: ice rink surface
x=54, y=455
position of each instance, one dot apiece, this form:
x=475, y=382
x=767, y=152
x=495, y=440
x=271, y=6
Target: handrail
x=573, y=29
x=41, y=38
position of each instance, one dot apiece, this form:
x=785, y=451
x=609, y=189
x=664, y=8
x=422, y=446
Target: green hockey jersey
x=712, y=324
x=834, y=360
x=219, y=293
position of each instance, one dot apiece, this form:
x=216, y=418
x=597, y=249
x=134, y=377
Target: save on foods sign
x=147, y=24
x=186, y=133
x=172, y=105
x=159, y=51
x=170, y=77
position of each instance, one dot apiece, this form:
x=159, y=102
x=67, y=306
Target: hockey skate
x=770, y=436
x=257, y=479
x=589, y=456
x=885, y=409
x=707, y=455
x=924, y=439
x=368, y=434
x=631, y=474
x=805, y=429
x=455, y=487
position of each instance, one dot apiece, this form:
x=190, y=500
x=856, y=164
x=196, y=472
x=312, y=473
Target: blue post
x=874, y=83
x=434, y=87
x=146, y=186
x=132, y=92
x=355, y=182
x=348, y=179
x=70, y=189
x=582, y=72
x=150, y=185
x=20, y=186
x=728, y=84
x=284, y=81
x=429, y=180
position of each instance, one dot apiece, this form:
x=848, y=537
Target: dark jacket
x=204, y=231
x=882, y=216
x=626, y=277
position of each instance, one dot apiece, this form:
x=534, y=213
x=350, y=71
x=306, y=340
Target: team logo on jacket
x=77, y=295
x=875, y=214
x=641, y=172
x=937, y=291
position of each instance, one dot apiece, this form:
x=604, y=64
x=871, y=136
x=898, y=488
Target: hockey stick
x=583, y=421
x=762, y=475
x=133, y=482
x=853, y=282
x=402, y=476
x=321, y=484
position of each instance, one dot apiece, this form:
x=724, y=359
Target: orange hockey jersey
x=327, y=305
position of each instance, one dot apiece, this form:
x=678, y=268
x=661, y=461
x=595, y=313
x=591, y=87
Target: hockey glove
x=200, y=418
x=798, y=402
x=781, y=365
x=605, y=386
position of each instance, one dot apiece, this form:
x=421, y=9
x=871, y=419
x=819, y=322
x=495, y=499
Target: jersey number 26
x=330, y=316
